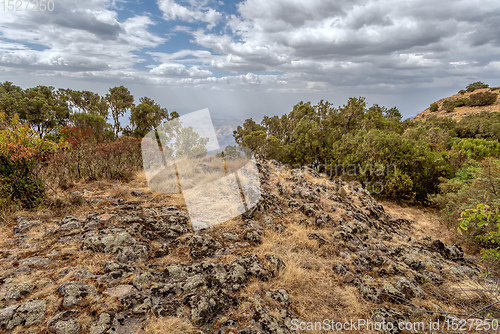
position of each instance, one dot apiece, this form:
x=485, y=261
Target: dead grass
x=169, y=325
x=460, y=112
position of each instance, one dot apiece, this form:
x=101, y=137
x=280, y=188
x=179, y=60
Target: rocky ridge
x=126, y=263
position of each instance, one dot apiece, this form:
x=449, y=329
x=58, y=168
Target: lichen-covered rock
x=64, y=323
x=74, y=292
x=18, y=291
x=24, y=225
x=143, y=281
x=28, y=313
x=202, y=246
x=281, y=296
x=408, y=288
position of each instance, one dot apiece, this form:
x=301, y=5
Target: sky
x=247, y=59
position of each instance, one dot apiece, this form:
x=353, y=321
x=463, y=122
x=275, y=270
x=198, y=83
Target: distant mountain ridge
x=463, y=111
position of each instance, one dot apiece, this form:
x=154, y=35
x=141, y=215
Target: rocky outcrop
x=134, y=276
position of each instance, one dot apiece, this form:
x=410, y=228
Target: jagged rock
x=26, y=314
x=121, y=244
x=460, y=271
x=322, y=220
x=207, y=305
x=34, y=261
x=389, y=293
x=230, y=236
x=432, y=277
x=279, y=228
x=137, y=193
x=308, y=209
x=64, y=323
x=454, y=252
x=143, y=281
x=202, y=246
x=111, y=323
x=409, y=289
x=275, y=263
x=74, y=292
x=413, y=262
x=24, y=225
x=6, y=314
x=172, y=308
x=339, y=269
x=18, y=291
x=281, y=296
x=267, y=322
x=253, y=236
x=70, y=226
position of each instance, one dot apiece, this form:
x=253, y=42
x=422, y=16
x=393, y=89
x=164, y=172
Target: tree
x=148, y=115
x=87, y=102
x=189, y=144
x=119, y=100
x=45, y=108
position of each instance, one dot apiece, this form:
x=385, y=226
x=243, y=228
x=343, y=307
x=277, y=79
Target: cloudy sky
x=252, y=58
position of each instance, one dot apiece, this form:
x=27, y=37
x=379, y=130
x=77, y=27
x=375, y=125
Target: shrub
x=90, y=162
x=21, y=148
x=482, y=99
x=461, y=92
x=476, y=85
x=488, y=220
x=475, y=182
x=434, y=107
x=449, y=106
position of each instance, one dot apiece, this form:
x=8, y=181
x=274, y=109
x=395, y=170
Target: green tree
x=87, y=102
x=148, y=115
x=45, y=108
x=119, y=100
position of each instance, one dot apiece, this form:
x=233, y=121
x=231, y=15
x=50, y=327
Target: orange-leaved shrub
x=90, y=160
x=21, y=149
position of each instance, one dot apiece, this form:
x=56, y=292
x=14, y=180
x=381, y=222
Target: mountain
x=461, y=111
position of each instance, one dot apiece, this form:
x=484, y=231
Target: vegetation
x=476, y=85
x=434, y=107
x=55, y=137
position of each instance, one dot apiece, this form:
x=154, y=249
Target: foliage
x=476, y=85
x=21, y=148
x=119, y=100
x=485, y=125
x=476, y=147
x=482, y=99
x=89, y=162
x=484, y=217
x=86, y=102
x=148, y=115
x=434, y=107
x=475, y=182
x=449, y=106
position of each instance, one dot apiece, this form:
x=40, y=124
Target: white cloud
x=174, y=11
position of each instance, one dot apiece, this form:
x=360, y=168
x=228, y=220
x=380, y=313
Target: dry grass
x=461, y=112
x=426, y=221
x=169, y=325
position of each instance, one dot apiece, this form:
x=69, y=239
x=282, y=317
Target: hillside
x=128, y=261
x=463, y=111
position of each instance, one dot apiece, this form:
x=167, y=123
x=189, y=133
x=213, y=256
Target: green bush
x=476, y=182
x=449, y=106
x=21, y=148
x=488, y=221
x=434, y=107
x=461, y=92
x=476, y=85
x=482, y=99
